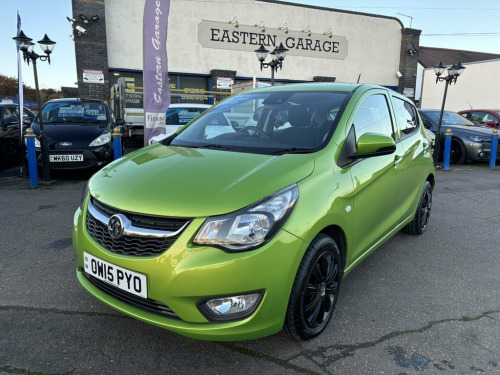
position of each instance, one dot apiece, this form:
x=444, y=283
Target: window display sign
x=193, y=89
x=409, y=92
x=93, y=76
x=224, y=83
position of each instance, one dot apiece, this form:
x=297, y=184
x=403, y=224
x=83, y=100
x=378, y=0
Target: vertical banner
x=155, y=71
x=20, y=83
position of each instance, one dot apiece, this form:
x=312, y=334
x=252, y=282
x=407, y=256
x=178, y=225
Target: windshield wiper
x=219, y=147
x=292, y=150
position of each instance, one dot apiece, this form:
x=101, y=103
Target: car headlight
x=476, y=138
x=101, y=140
x=251, y=226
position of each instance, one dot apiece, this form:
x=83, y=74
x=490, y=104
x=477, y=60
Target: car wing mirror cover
x=27, y=121
x=374, y=144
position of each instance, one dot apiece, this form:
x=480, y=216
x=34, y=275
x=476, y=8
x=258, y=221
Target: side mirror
x=120, y=122
x=373, y=144
x=491, y=123
x=27, y=121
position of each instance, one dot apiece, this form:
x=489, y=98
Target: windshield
x=74, y=112
x=267, y=122
x=449, y=118
x=181, y=116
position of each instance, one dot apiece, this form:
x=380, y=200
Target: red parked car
x=490, y=117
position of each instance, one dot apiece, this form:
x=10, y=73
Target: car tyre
x=457, y=152
x=315, y=290
x=419, y=223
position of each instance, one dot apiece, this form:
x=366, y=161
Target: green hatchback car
x=244, y=222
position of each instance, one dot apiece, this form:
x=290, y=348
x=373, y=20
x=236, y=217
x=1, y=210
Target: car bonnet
x=79, y=135
x=187, y=182
x=470, y=129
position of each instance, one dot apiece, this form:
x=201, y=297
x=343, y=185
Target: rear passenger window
x=407, y=116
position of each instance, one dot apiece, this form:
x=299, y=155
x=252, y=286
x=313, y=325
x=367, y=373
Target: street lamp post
x=453, y=72
x=278, y=55
x=47, y=46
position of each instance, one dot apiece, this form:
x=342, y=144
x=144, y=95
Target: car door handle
x=397, y=160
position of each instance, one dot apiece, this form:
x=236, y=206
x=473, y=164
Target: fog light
x=107, y=154
x=230, y=308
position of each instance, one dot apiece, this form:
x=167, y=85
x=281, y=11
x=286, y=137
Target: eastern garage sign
x=248, y=38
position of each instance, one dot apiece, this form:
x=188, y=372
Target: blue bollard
x=117, y=143
x=32, y=167
x=494, y=147
x=447, y=150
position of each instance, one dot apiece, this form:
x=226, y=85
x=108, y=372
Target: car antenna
x=469, y=104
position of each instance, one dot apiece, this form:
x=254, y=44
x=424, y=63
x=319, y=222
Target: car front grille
x=142, y=221
x=131, y=244
x=145, y=304
x=71, y=164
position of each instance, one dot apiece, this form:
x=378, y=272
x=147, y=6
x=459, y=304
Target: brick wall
x=408, y=61
x=90, y=47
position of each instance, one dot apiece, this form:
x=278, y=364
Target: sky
x=39, y=17
x=456, y=24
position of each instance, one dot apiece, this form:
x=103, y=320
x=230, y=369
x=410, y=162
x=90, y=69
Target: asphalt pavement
x=418, y=305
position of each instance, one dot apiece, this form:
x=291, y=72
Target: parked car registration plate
x=119, y=277
x=64, y=158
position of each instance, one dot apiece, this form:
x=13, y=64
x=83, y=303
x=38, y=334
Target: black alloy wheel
x=457, y=152
x=315, y=290
x=419, y=223
x=321, y=290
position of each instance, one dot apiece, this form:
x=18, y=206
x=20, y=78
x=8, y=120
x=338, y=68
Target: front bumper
x=96, y=157
x=184, y=275
x=480, y=151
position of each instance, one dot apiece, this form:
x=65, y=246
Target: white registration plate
x=65, y=158
x=119, y=277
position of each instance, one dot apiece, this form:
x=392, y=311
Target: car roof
x=317, y=86
x=14, y=104
x=327, y=86
x=435, y=110
x=76, y=100
x=189, y=105
x=478, y=109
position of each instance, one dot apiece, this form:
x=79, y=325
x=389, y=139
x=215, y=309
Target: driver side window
x=8, y=115
x=373, y=116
